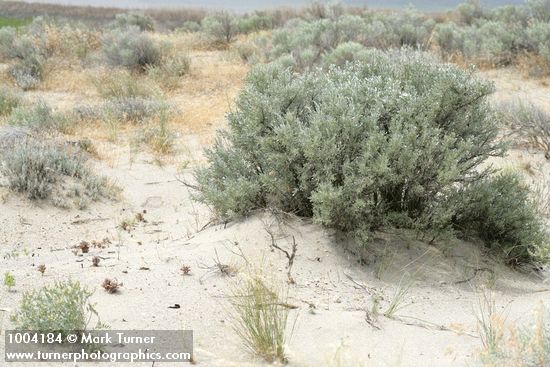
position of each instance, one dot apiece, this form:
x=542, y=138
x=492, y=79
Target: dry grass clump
x=261, y=318
x=529, y=123
x=511, y=346
x=120, y=83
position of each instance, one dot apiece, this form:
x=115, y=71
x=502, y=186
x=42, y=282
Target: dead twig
x=289, y=255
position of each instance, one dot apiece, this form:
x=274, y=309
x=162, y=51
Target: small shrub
x=190, y=26
x=171, y=70
x=160, y=138
x=134, y=109
x=9, y=280
x=529, y=123
x=122, y=84
x=344, y=53
x=9, y=100
x=513, y=346
x=131, y=48
x=499, y=211
x=29, y=72
x=142, y=21
x=39, y=169
x=261, y=319
x=63, y=307
x=7, y=37
x=39, y=116
x=221, y=27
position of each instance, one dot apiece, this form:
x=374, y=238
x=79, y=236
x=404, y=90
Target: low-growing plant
x=524, y=346
x=490, y=322
x=160, y=137
x=131, y=48
x=39, y=116
x=133, y=19
x=9, y=100
x=396, y=302
x=134, y=109
x=501, y=212
x=39, y=169
x=9, y=280
x=171, y=70
x=221, y=27
x=261, y=318
x=529, y=123
x=122, y=84
x=62, y=306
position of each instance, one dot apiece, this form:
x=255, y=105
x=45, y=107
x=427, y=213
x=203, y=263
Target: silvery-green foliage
x=189, y=26
x=221, y=27
x=352, y=145
x=142, y=21
x=9, y=100
x=344, y=53
x=131, y=48
x=134, y=109
x=33, y=168
x=499, y=211
x=38, y=169
x=7, y=37
x=487, y=41
x=411, y=28
x=540, y=9
x=538, y=38
x=470, y=11
x=36, y=116
x=254, y=23
x=62, y=306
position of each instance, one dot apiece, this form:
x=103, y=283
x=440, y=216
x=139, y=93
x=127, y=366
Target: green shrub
x=344, y=53
x=499, y=211
x=171, y=70
x=190, y=26
x=540, y=9
x=122, y=84
x=527, y=122
x=41, y=169
x=38, y=116
x=142, y=21
x=7, y=37
x=134, y=109
x=9, y=280
x=254, y=23
x=353, y=145
x=62, y=307
x=221, y=27
x=9, y=99
x=131, y=48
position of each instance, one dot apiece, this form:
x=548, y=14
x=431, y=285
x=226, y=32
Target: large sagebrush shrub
x=387, y=142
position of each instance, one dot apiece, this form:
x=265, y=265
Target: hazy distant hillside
x=247, y=5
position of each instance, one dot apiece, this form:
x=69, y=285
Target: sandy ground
x=333, y=290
